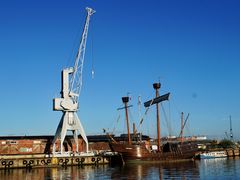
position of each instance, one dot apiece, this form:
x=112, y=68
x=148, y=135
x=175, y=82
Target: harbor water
x=222, y=168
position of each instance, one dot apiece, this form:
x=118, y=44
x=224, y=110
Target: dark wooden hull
x=139, y=152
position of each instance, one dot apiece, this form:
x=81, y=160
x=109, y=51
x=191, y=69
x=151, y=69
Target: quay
x=41, y=160
x=36, y=151
x=232, y=152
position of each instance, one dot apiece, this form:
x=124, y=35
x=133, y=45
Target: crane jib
x=76, y=79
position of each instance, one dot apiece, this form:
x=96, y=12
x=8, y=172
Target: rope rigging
x=114, y=128
x=168, y=123
x=142, y=116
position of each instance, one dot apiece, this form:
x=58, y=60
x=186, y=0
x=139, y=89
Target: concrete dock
x=42, y=160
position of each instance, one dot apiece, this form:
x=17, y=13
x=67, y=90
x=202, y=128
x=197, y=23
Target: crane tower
x=71, y=88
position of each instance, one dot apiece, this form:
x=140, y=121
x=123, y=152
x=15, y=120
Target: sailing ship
x=132, y=151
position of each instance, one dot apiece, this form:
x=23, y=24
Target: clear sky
x=191, y=46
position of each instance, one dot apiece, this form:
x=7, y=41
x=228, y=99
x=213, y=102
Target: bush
x=225, y=143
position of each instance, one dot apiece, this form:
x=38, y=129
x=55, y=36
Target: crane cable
x=92, y=50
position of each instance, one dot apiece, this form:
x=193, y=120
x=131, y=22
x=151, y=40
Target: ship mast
x=183, y=123
x=156, y=101
x=157, y=86
x=125, y=100
x=181, y=132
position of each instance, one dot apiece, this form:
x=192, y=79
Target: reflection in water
x=183, y=170
x=226, y=168
x=204, y=169
x=60, y=173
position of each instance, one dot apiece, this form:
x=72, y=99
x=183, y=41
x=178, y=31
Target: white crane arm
x=76, y=79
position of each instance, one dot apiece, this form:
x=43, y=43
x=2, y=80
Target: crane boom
x=76, y=79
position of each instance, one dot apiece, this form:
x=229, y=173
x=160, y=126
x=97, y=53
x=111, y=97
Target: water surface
x=204, y=169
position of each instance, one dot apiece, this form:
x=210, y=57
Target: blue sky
x=192, y=47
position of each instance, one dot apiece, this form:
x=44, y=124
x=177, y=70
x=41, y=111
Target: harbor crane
x=71, y=88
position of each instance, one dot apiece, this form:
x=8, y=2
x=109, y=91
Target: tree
x=225, y=143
